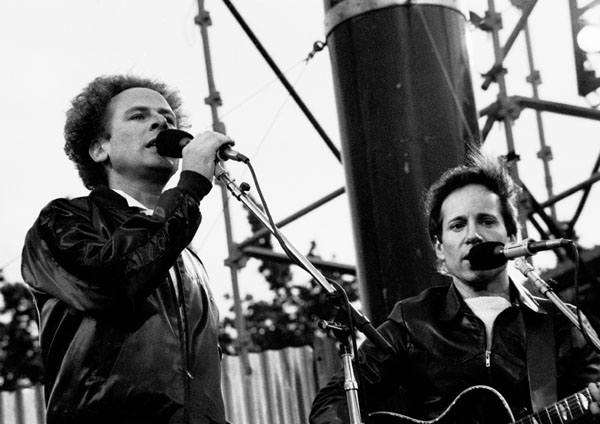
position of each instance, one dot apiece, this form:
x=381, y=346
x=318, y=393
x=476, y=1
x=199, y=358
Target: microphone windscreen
x=168, y=142
x=486, y=255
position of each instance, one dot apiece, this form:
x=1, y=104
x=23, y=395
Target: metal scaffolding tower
x=539, y=214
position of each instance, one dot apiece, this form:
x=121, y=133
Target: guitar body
x=475, y=405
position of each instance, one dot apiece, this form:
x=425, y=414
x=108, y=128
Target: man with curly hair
x=128, y=323
x=483, y=341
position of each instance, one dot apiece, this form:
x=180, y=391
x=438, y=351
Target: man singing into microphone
x=481, y=330
x=128, y=324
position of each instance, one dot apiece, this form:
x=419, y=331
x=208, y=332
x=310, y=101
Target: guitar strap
x=541, y=361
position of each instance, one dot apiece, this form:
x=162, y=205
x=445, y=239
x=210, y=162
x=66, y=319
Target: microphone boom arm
x=528, y=271
x=361, y=322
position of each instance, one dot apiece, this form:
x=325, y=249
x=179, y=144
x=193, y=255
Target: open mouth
x=152, y=143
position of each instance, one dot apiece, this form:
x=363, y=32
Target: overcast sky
x=51, y=49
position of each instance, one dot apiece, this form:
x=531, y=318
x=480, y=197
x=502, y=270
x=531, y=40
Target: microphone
x=171, y=142
x=493, y=254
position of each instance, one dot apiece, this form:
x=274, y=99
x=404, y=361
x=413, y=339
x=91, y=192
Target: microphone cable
x=339, y=289
x=275, y=231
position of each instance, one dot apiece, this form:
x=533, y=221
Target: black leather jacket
x=440, y=350
x=117, y=345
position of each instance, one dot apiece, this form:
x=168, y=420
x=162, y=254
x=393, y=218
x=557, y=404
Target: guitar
x=485, y=405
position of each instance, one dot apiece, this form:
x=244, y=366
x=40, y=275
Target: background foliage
x=20, y=358
x=291, y=317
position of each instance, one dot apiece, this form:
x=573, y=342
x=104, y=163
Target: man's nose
x=473, y=236
x=159, y=123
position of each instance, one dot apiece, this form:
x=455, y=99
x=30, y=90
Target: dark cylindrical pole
x=406, y=113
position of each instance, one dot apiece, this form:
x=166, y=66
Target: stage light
x=588, y=39
x=585, y=26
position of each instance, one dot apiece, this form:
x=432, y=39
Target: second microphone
x=491, y=254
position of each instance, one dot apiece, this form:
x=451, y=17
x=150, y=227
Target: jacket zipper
x=488, y=345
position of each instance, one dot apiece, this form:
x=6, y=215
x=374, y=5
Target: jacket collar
x=519, y=296
x=106, y=196
x=117, y=199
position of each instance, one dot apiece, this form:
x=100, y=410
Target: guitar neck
x=563, y=411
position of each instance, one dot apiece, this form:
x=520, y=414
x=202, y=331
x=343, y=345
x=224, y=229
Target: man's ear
x=99, y=150
x=438, y=247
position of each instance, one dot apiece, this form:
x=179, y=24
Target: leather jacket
x=122, y=341
x=439, y=350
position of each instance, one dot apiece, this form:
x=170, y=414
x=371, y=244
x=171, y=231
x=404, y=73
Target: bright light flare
x=588, y=38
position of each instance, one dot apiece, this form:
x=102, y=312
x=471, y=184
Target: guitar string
x=572, y=404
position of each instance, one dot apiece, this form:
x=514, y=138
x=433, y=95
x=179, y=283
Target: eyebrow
x=454, y=219
x=487, y=215
x=478, y=216
x=162, y=111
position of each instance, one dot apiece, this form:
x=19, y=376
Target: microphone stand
x=344, y=335
x=360, y=321
x=528, y=271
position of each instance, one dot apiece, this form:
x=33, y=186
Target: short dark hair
x=478, y=170
x=87, y=119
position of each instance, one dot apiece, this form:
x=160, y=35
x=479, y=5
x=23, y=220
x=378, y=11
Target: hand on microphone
x=199, y=153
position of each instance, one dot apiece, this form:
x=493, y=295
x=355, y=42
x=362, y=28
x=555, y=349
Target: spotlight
x=585, y=26
x=588, y=39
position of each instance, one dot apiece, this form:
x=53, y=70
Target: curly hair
x=87, y=119
x=478, y=170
